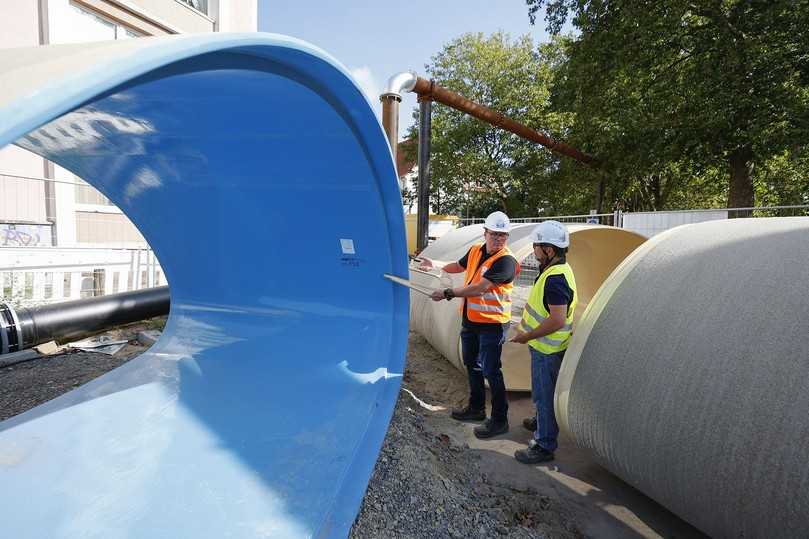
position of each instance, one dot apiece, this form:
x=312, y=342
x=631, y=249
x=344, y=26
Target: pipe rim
x=587, y=323
x=3, y=329
x=16, y=320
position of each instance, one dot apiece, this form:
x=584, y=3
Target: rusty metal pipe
x=429, y=90
x=390, y=106
x=390, y=120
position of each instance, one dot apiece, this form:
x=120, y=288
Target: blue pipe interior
x=263, y=182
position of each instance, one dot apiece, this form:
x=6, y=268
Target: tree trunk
x=600, y=196
x=740, y=194
x=657, y=196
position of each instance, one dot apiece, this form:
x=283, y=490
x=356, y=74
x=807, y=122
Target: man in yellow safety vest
x=485, y=309
x=547, y=325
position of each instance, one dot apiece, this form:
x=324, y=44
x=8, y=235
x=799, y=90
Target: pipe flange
x=16, y=322
x=3, y=330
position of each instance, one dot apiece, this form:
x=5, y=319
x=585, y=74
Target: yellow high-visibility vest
x=535, y=312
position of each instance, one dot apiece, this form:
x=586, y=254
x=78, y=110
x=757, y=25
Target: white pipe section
x=400, y=82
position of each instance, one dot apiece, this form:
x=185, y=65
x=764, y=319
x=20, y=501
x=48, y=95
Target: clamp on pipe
x=10, y=330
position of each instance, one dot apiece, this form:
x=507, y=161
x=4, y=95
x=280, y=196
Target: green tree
x=671, y=93
x=477, y=168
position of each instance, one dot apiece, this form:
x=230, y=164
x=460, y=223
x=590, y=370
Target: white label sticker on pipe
x=347, y=246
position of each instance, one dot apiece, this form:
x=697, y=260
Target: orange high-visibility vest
x=493, y=307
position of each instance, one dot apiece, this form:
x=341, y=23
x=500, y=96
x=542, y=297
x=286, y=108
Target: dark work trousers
x=481, y=356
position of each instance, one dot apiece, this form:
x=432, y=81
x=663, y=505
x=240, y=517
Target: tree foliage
x=704, y=98
x=477, y=168
x=686, y=104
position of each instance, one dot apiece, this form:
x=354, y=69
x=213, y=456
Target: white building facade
x=44, y=206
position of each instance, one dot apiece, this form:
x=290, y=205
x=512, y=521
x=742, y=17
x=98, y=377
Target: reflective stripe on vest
x=535, y=313
x=485, y=308
x=496, y=297
x=494, y=306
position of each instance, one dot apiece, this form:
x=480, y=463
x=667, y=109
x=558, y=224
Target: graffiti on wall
x=13, y=235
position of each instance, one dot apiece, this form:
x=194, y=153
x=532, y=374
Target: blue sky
x=375, y=39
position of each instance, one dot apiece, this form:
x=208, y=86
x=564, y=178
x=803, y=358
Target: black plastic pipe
x=28, y=327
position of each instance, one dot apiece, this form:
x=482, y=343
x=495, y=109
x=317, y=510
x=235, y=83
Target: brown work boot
x=533, y=454
x=491, y=428
x=468, y=413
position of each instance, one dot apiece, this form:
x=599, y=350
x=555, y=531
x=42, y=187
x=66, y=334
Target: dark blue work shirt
x=557, y=291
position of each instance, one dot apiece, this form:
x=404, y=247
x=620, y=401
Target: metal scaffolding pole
x=425, y=136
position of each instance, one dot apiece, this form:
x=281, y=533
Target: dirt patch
x=428, y=482
x=427, y=485
x=25, y=385
x=430, y=376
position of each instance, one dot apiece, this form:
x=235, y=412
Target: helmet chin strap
x=548, y=260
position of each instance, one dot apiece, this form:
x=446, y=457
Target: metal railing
x=654, y=222
x=44, y=275
x=591, y=218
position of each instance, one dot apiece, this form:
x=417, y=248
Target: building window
x=87, y=194
x=116, y=280
x=97, y=228
x=70, y=22
x=199, y=5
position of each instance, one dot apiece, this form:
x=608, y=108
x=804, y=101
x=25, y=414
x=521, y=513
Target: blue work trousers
x=481, y=356
x=544, y=372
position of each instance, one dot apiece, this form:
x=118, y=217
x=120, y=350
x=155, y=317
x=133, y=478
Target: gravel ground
x=426, y=486
x=24, y=385
x=427, y=483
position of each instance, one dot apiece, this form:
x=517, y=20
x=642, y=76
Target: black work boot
x=530, y=423
x=533, y=454
x=468, y=413
x=491, y=428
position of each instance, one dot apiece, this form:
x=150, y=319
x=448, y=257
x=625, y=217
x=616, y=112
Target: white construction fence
x=39, y=275
x=654, y=222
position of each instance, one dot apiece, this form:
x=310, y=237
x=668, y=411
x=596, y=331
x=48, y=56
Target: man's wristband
x=448, y=295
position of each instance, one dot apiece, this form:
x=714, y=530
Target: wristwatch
x=448, y=295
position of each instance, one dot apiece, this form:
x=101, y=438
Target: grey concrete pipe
x=594, y=252
x=688, y=376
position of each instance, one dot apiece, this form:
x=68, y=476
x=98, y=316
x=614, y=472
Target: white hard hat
x=497, y=222
x=552, y=232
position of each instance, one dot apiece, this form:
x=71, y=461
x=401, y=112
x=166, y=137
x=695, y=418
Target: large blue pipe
x=258, y=173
